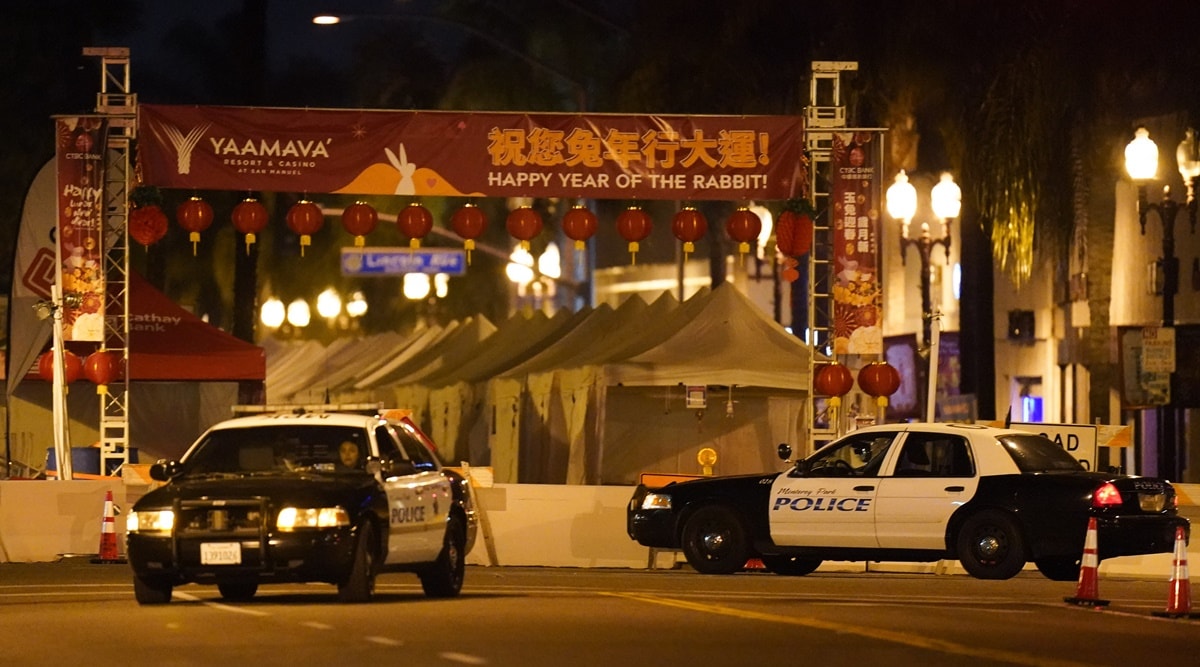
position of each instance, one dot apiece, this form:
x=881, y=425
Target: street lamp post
x=901, y=200
x=1141, y=162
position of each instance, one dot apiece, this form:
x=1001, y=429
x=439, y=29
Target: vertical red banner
x=80, y=148
x=857, y=296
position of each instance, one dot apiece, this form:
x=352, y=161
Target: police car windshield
x=1034, y=453
x=281, y=448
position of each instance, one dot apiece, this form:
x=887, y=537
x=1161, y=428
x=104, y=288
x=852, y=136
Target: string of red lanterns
x=524, y=224
x=743, y=226
x=147, y=224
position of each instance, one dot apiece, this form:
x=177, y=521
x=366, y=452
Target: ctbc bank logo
x=823, y=504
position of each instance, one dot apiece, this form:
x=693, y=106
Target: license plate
x=221, y=553
x=1151, y=502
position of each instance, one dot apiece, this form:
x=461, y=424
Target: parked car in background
x=994, y=499
x=302, y=497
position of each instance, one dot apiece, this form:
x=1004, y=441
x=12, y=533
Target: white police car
x=312, y=497
x=992, y=498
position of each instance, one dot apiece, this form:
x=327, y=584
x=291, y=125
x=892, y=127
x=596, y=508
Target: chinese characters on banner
x=457, y=154
x=80, y=146
x=855, y=212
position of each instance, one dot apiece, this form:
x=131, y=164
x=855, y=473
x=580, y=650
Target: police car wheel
x=444, y=579
x=791, y=566
x=359, y=585
x=714, y=541
x=236, y=591
x=1059, y=569
x=990, y=546
x=147, y=590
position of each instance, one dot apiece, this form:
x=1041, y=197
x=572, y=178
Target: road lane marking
x=464, y=658
x=385, y=641
x=317, y=625
x=914, y=641
x=219, y=605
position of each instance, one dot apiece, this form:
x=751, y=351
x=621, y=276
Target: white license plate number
x=221, y=553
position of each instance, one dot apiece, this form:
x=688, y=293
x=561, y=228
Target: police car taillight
x=1106, y=496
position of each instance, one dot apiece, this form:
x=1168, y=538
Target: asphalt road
x=77, y=613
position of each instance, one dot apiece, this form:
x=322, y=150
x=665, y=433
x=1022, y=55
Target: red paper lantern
x=194, y=215
x=147, y=224
x=102, y=367
x=524, y=224
x=879, y=379
x=579, y=224
x=689, y=226
x=469, y=223
x=249, y=217
x=743, y=226
x=72, y=366
x=359, y=219
x=794, y=232
x=415, y=221
x=633, y=225
x=305, y=218
x=833, y=380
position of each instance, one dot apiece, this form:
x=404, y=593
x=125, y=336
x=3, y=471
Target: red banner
x=597, y=156
x=80, y=146
x=857, y=297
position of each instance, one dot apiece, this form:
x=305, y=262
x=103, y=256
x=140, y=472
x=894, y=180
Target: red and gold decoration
x=633, y=225
x=854, y=221
x=794, y=235
x=72, y=366
x=359, y=219
x=250, y=217
x=880, y=380
x=524, y=224
x=415, y=222
x=833, y=380
x=469, y=222
x=689, y=225
x=305, y=219
x=743, y=226
x=147, y=224
x=579, y=224
x=194, y=215
x=102, y=367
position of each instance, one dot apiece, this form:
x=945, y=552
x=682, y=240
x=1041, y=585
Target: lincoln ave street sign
x=387, y=261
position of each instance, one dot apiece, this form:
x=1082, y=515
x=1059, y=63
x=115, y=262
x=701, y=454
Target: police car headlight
x=151, y=521
x=295, y=518
x=656, y=501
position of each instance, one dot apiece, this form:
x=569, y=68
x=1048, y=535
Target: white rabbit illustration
x=405, y=186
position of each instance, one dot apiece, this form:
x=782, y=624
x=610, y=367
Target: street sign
x=388, y=261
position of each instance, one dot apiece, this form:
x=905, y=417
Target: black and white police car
x=992, y=498
x=302, y=497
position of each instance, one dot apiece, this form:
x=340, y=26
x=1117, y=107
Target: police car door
x=929, y=476
x=411, y=494
x=828, y=500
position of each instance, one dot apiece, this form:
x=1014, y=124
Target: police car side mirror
x=163, y=470
x=785, y=451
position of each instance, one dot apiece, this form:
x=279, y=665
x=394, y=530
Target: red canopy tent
x=166, y=342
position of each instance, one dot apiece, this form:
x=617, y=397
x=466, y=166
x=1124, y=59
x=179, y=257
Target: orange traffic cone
x=1179, y=600
x=108, y=534
x=1086, y=593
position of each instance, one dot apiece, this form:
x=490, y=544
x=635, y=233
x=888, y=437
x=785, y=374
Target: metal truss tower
x=117, y=102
